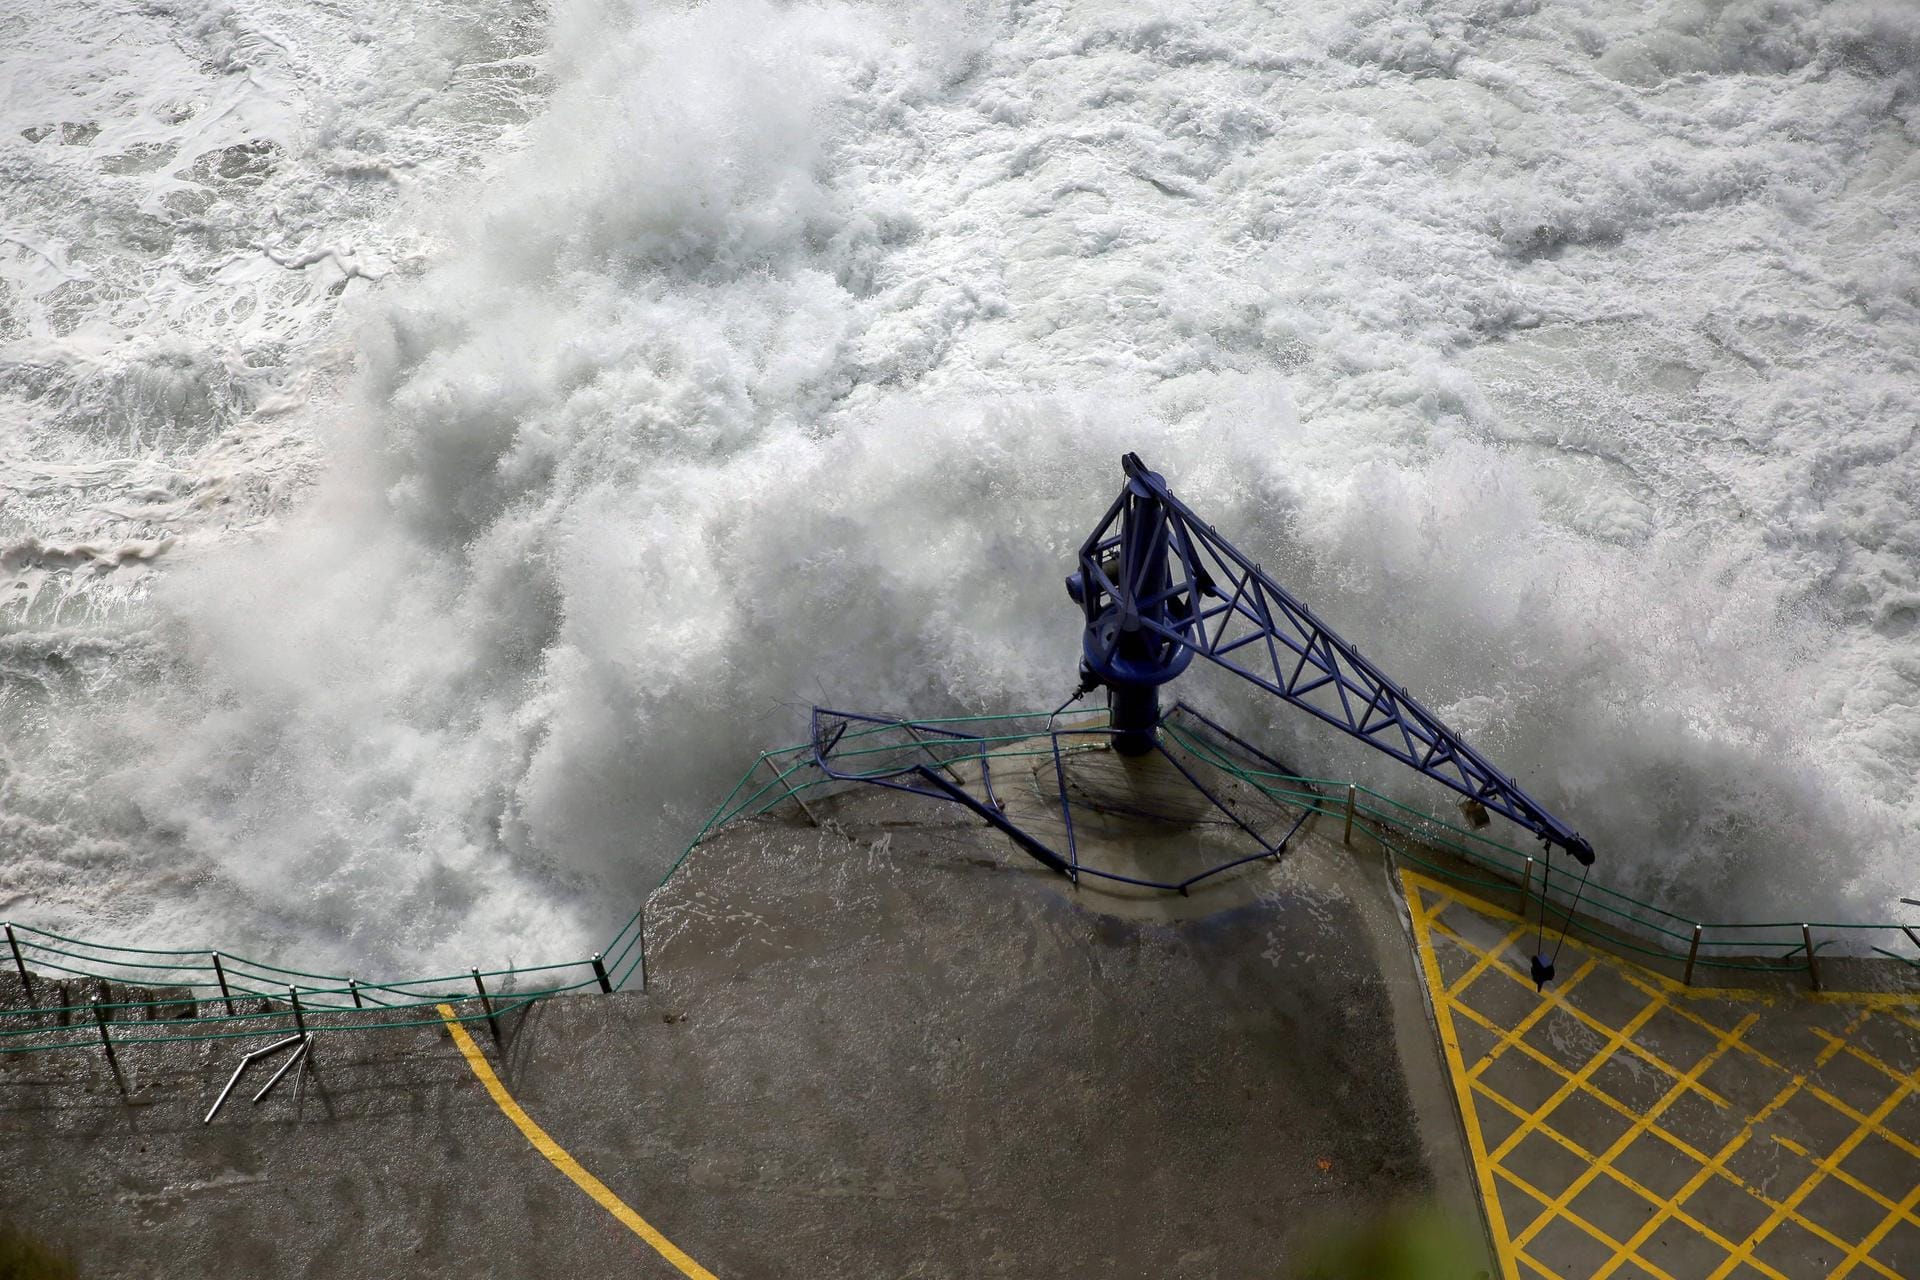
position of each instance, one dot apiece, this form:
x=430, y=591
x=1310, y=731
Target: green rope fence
x=1408, y=833
x=205, y=994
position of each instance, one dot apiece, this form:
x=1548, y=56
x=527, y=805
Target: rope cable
x=1546, y=883
x=1567, y=921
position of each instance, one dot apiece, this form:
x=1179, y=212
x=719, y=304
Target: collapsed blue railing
x=1479, y=861
x=936, y=778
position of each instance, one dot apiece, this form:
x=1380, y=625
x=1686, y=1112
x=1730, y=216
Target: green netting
x=216, y=984
x=1382, y=816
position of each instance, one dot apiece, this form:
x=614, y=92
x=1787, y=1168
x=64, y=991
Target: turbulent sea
x=441, y=443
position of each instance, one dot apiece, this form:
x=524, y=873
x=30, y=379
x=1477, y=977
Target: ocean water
x=439, y=447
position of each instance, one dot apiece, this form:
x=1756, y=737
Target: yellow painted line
x=1876, y=1235
x=1577, y=1081
x=1898, y=1077
x=1578, y=1221
x=1557, y=998
x=1639, y=1188
x=1669, y=1206
x=1856, y=1251
x=1541, y=1009
x=558, y=1157
x=1488, y=959
x=1450, y=1005
x=1842, y=1176
x=1450, y=1044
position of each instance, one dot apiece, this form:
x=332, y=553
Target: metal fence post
x=486, y=1005
x=293, y=994
x=791, y=793
x=100, y=1021
x=1347, y=838
x=353, y=988
x=643, y=945
x=1813, y=963
x=26, y=983
x=600, y=973
x=1526, y=890
x=1693, y=953
x=220, y=972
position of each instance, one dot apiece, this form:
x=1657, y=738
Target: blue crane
x=1159, y=586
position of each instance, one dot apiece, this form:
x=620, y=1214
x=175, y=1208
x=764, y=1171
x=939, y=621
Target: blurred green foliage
x=24, y=1258
x=1404, y=1244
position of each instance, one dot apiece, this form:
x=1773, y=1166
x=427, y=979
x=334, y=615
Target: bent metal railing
x=790, y=775
x=205, y=994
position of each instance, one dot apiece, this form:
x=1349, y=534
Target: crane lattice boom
x=1159, y=586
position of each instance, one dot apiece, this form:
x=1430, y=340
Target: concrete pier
x=893, y=1045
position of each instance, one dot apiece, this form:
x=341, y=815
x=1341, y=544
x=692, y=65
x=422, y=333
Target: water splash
x=1563, y=357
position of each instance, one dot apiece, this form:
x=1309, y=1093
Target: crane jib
x=1159, y=587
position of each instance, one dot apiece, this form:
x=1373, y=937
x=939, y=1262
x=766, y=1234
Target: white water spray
x=1562, y=357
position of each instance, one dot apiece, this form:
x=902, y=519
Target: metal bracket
x=251, y=1058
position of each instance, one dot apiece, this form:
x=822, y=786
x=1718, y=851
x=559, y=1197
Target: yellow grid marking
x=1855, y=1254
x=1487, y=960
x=1491, y=1167
x=1626, y=1140
x=1644, y=1192
x=1576, y=1219
x=1557, y=998
x=1576, y=1082
x=1711, y=1165
x=1878, y=1234
x=1838, y=1174
x=1450, y=1049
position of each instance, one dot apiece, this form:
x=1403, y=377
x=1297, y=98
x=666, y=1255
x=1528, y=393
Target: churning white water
x=438, y=448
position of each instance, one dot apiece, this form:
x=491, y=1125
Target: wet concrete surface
x=889, y=1046
x=1635, y=1126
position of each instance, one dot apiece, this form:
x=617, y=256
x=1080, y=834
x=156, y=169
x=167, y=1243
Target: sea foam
x=1562, y=357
